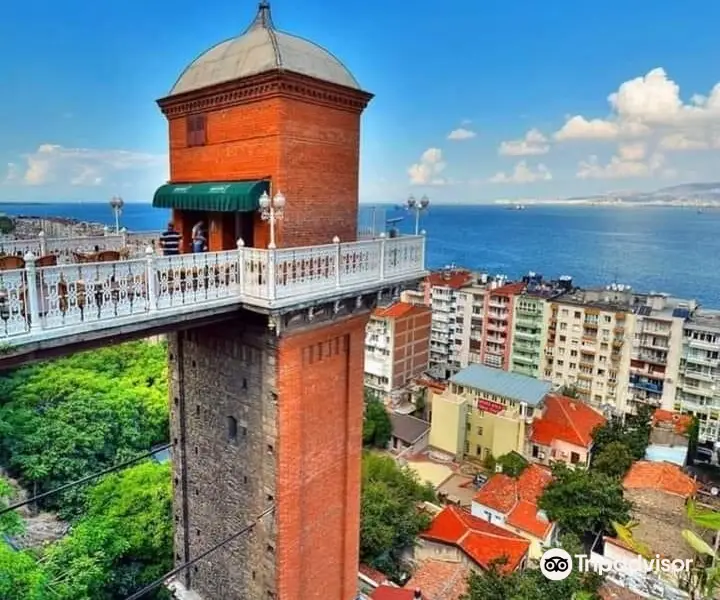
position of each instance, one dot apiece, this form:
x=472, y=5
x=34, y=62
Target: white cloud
x=427, y=171
x=522, y=173
x=675, y=142
x=55, y=164
x=649, y=106
x=627, y=164
x=534, y=143
x=11, y=173
x=461, y=134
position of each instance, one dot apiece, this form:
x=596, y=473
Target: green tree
x=21, y=578
x=489, y=462
x=7, y=225
x=614, y=460
x=512, y=463
x=10, y=522
x=377, y=427
x=390, y=520
x=70, y=417
x=693, y=431
x=633, y=431
x=581, y=501
x=124, y=540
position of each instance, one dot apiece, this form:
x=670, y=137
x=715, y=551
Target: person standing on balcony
x=170, y=241
x=199, y=242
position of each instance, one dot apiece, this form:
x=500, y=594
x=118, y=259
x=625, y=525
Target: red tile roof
x=662, y=476
x=567, y=420
x=399, y=310
x=610, y=591
x=440, y=580
x=451, y=279
x=509, y=289
x=478, y=539
x=517, y=499
x=679, y=422
x=387, y=592
x=372, y=574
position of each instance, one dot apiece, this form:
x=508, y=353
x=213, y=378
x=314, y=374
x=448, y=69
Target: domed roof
x=260, y=49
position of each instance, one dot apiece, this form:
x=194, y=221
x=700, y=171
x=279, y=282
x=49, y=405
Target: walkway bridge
x=72, y=303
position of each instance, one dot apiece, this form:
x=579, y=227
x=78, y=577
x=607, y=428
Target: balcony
x=38, y=303
x=703, y=345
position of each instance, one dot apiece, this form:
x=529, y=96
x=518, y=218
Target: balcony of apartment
x=645, y=397
x=700, y=359
x=528, y=311
x=496, y=339
x=650, y=328
x=615, y=357
x=529, y=323
x=591, y=324
x=656, y=358
x=586, y=364
x=439, y=338
x=696, y=402
x=652, y=342
x=706, y=375
x=497, y=326
x=527, y=335
x=377, y=365
x=654, y=386
x=525, y=369
x=689, y=387
x=380, y=383
x=708, y=431
x=497, y=302
x=704, y=345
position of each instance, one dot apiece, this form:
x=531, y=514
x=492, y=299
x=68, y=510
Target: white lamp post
x=117, y=203
x=271, y=209
x=418, y=207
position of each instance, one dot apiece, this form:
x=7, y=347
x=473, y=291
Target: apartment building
x=530, y=322
x=484, y=411
x=397, y=343
x=656, y=349
x=588, y=345
x=698, y=388
x=498, y=325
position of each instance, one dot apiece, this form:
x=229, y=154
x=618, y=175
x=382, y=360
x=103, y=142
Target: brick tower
x=267, y=408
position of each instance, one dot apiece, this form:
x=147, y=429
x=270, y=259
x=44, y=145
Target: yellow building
x=484, y=411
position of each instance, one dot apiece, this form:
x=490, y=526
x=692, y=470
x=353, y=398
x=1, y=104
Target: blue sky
x=526, y=82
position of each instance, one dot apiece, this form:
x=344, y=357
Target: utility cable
x=83, y=480
x=176, y=570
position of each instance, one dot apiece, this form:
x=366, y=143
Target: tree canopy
x=390, y=520
x=633, y=431
x=581, y=501
x=614, y=460
x=65, y=419
x=377, y=427
x=512, y=463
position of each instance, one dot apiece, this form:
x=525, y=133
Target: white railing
x=41, y=302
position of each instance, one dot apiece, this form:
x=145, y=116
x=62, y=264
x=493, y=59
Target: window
x=574, y=458
x=480, y=430
x=232, y=429
x=535, y=451
x=196, y=130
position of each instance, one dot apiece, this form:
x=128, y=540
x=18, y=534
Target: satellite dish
x=714, y=491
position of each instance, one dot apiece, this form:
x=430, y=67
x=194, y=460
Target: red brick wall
x=320, y=414
x=310, y=152
x=411, y=345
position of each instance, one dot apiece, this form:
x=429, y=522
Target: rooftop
x=455, y=279
x=439, y=580
x=398, y=310
x=260, y=49
x=501, y=383
x=678, y=422
x=509, y=289
x=517, y=499
x=478, y=539
x=408, y=428
x=567, y=420
x=660, y=476
x=388, y=592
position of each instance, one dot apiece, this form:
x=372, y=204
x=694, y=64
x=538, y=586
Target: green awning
x=218, y=196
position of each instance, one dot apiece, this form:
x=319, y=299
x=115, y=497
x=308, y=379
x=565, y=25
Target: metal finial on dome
x=263, y=19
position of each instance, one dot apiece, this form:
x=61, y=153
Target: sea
x=661, y=249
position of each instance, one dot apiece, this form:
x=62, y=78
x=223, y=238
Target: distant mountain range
x=687, y=194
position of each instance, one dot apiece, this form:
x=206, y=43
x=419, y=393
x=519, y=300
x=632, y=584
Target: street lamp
x=117, y=203
x=418, y=207
x=271, y=209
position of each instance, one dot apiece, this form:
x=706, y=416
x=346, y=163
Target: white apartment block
x=378, y=355
x=698, y=389
x=588, y=346
x=656, y=349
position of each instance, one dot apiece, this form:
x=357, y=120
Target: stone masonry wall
x=221, y=483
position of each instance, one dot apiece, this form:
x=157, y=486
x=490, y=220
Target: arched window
x=232, y=429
